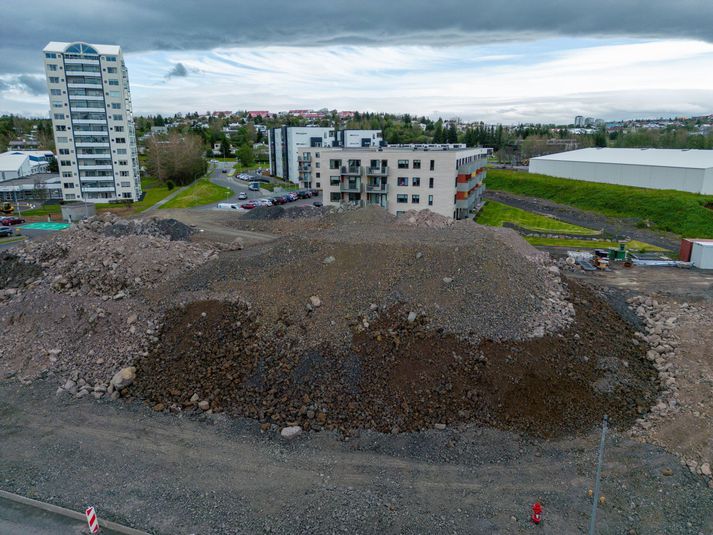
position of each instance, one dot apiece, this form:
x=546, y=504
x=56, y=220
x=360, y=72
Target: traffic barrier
x=92, y=520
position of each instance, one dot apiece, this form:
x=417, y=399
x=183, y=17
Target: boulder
x=123, y=378
x=291, y=432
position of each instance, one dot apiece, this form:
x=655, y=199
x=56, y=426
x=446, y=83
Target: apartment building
x=448, y=181
x=286, y=142
x=92, y=119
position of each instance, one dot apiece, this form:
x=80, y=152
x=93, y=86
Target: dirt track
x=215, y=475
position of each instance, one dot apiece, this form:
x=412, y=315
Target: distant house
x=159, y=130
x=259, y=113
x=23, y=144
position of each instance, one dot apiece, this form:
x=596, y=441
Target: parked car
x=223, y=170
x=278, y=200
x=254, y=186
x=227, y=206
x=317, y=203
x=248, y=205
x=292, y=196
x=11, y=220
x=303, y=194
x=6, y=231
x=315, y=193
x=242, y=195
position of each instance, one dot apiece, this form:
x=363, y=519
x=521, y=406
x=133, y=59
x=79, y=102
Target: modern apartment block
x=90, y=106
x=286, y=143
x=448, y=181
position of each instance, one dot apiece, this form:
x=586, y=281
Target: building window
x=318, y=175
x=67, y=185
x=335, y=164
x=51, y=67
x=433, y=165
x=430, y=183
x=55, y=92
x=335, y=196
x=402, y=198
x=64, y=151
x=317, y=165
x=118, y=128
x=70, y=196
x=430, y=200
x=115, y=94
x=67, y=174
x=417, y=164
x=403, y=164
x=402, y=181
x=65, y=162
x=113, y=82
x=59, y=116
x=318, y=185
x=50, y=55
x=111, y=70
x=415, y=199
x=316, y=155
x=121, y=151
x=61, y=139
x=123, y=173
x=61, y=128
x=111, y=58
x=120, y=140
x=118, y=117
x=416, y=181
x=126, y=184
x=333, y=180
x=54, y=79
x=115, y=106
x=57, y=105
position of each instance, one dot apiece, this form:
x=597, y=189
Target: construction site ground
x=373, y=462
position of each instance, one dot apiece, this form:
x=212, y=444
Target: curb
x=68, y=513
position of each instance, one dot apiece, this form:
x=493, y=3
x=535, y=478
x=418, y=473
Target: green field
x=632, y=245
x=201, y=192
x=674, y=211
x=495, y=214
x=285, y=186
x=43, y=210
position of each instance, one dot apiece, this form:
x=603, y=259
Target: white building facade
x=286, y=142
x=92, y=119
x=21, y=163
x=675, y=169
x=445, y=181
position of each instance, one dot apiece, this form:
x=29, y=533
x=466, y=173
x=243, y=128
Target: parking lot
x=241, y=192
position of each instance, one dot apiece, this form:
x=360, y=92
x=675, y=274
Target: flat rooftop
x=397, y=149
x=688, y=158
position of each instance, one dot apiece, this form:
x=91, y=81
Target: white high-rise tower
x=90, y=106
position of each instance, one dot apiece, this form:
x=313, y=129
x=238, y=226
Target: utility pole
x=595, y=497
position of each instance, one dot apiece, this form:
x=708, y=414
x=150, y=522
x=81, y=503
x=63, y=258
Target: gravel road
x=583, y=218
x=211, y=474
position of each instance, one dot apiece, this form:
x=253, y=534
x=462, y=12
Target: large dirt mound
x=400, y=375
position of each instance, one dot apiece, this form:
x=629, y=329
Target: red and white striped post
x=92, y=520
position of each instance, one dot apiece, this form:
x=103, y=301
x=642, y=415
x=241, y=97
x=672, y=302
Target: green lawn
x=201, y=192
x=675, y=211
x=12, y=239
x=284, y=186
x=43, y=210
x=633, y=245
x=494, y=214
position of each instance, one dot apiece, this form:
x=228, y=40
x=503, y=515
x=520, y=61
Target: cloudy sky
x=508, y=61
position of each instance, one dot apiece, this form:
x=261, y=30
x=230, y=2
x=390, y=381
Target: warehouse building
x=448, y=181
x=676, y=169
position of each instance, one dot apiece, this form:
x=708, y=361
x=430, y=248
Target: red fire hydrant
x=536, y=513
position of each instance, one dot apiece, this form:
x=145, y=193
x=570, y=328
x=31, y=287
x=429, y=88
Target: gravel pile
x=397, y=375
x=110, y=225
x=285, y=212
x=425, y=218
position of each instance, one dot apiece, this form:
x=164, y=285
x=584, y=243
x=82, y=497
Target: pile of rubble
x=659, y=321
x=425, y=218
x=111, y=225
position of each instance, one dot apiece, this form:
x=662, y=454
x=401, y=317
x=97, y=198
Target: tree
x=225, y=147
x=176, y=158
x=452, y=135
x=53, y=167
x=246, y=155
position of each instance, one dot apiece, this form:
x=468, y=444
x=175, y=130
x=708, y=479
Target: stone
x=667, y=472
x=123, y=378
x=291, y=432
x=204, y=405
x=706, y=469
x=419, y=255
x=265, y=426
x=82, y=393
x=328, y=260
x=159, y=407
x=69, y=384
x=440, y=427
x=447, y=280
x=194, y=398
x=131, y=319
x=315, y=301
x=411, y=317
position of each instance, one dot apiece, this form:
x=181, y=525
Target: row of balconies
x=352, y=186
x=368, y=171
